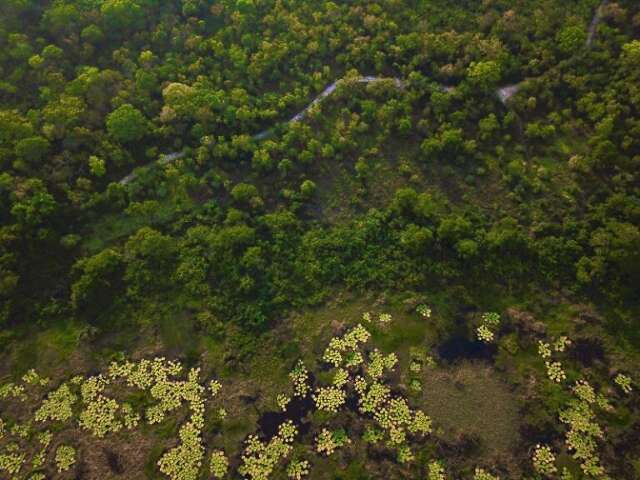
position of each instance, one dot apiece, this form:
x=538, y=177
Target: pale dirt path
x=593, y=28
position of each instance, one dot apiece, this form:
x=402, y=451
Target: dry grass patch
x=470, y=398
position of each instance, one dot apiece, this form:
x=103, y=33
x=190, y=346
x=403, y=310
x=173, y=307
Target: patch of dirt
x=110, y=458
x=526, y=323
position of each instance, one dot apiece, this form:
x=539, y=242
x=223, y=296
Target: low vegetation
x=361, y=396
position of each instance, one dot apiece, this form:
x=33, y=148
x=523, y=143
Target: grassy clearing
x=53, y=352
x=114, y=227
x=471, y=398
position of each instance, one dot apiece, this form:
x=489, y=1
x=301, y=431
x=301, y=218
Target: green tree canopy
x=32, y=149
x=97, y=276
x=571, y=39
x=34, y=205
x=485, y=75
x=127, y=124
x=122, y=15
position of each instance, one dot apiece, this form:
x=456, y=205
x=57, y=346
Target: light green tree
x=127, y=124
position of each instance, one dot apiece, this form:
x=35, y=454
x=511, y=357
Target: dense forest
x=314, y=239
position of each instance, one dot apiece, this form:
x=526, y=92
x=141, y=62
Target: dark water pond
x=297, y=411
x=587, y=351
x=459, y=347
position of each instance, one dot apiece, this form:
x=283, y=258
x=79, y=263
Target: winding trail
x=328, y=91
x=504, y=94
x=331, y=88
x=163, y=160
x=508, y=91
x=170, y=157
x=593, y=28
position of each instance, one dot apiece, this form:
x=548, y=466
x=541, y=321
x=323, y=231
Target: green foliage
x=246, y=194
x=32, y=149
x=417, y=239
x=11, y=462
x=485, y=75
x=61, y=18
x=544, y=460
x=307, y=189
x=571, y=39
x=481, y=474
x=449, y=144
x=584, y=431
x=150, y=257
x=489, y=126
x=260, y=459
x=127, y=124
x=97, y=166
x=327, y=441
x=35, y=205
x=65, y=458
x=92, y=34
x=631, y=54
x=218, y=464
x=624, y=381
x=122, y=15
x=96, y=276
x=415, y=183
x=298, y=469
x=436, y=471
